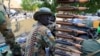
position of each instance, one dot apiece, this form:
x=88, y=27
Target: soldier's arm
x=10, y=39
x=7, y=33
x=50, y=38
x=50, y=35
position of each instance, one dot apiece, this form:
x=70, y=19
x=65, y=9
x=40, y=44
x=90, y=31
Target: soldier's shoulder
x=43, y=29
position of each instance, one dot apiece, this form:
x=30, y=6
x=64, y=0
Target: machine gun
x=65, y=9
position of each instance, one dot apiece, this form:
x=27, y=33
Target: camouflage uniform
x=7, y=33
x=44, y=36
x=41, y=38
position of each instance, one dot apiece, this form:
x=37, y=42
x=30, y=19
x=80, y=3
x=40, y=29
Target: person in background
x=7, y=32
x=41, y=38
x=97, y=34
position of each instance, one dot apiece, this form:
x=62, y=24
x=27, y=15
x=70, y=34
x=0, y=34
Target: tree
x=29, y=5
x=93, y=6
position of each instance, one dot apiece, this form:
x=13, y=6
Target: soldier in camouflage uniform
x=7, y=33
x=41, y=37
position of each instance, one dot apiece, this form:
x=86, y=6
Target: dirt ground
x=23, y=26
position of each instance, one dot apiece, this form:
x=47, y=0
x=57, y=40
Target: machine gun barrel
x=71, y=1
x=65, y=8
x=64, y=36
x=70, y=16
x=70, y=31
x=70, y=24
x=68, y=49
x=65, y=16
x=67, y=36
x=64, y=23
x=64, y=30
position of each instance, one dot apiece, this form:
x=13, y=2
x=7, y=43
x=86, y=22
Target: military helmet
x=43, y=10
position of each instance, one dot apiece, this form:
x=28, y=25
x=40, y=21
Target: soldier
x=7, y=33
x=41, y=37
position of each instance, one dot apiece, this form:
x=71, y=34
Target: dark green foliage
x=93, y=6
x=29, y=5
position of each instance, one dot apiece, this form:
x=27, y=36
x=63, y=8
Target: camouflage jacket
x=43, y=35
